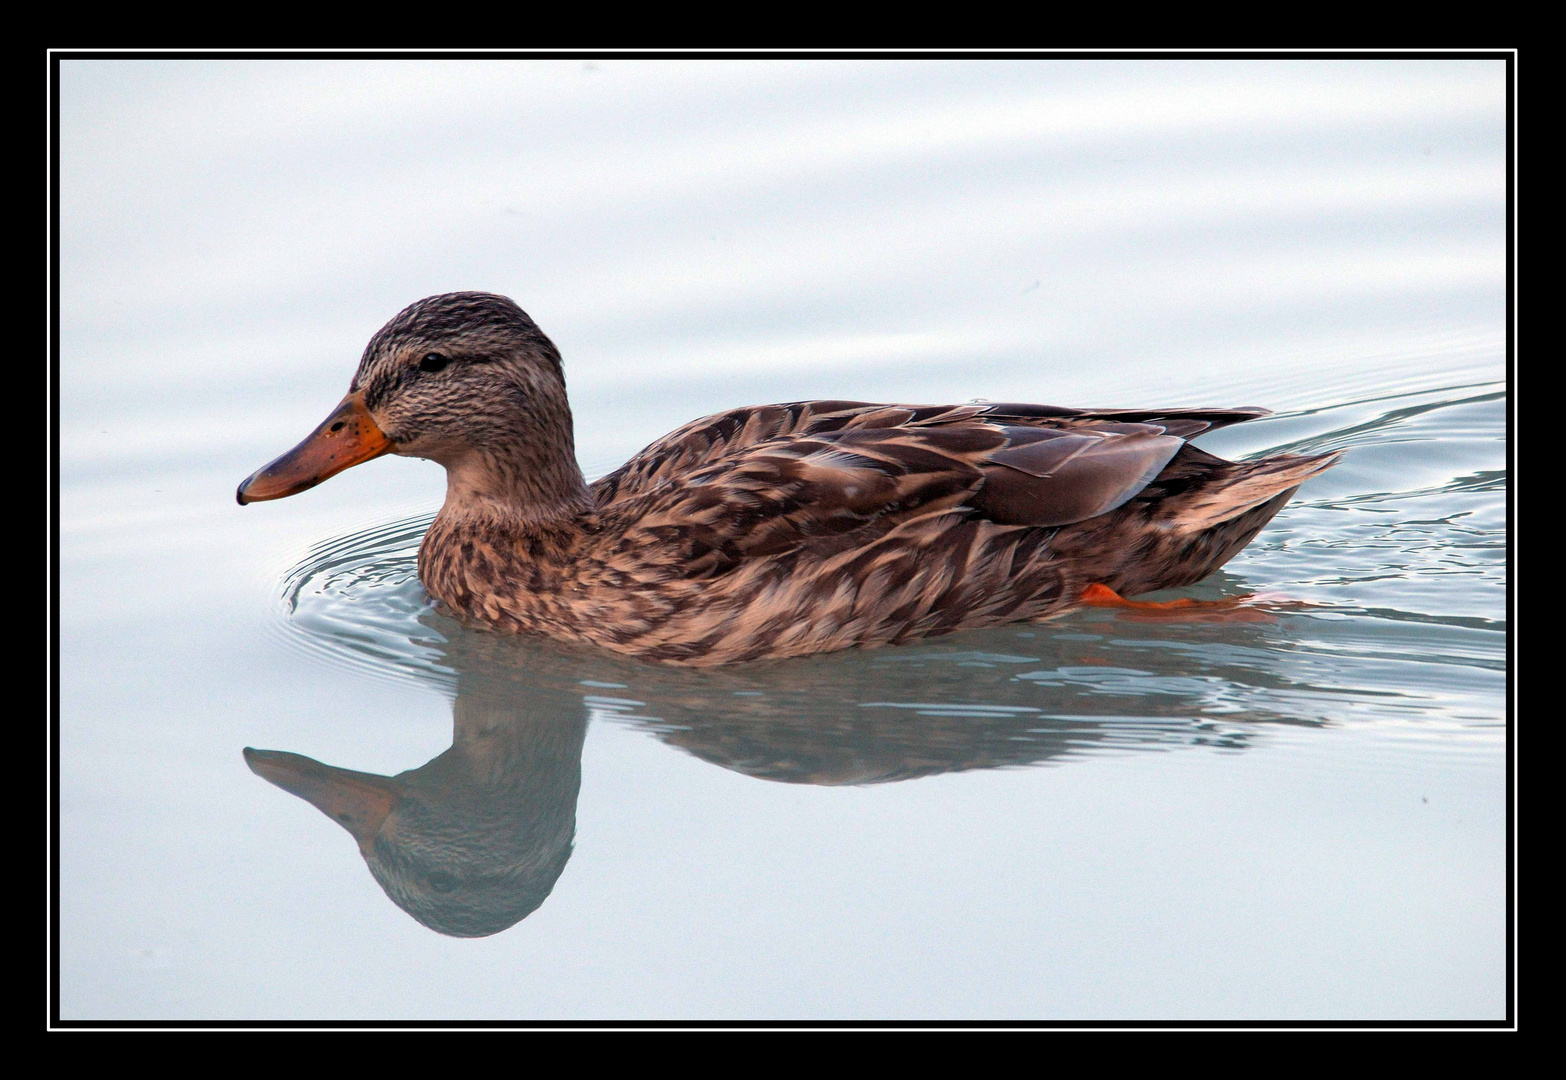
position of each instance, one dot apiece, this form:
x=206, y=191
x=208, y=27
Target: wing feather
x=776, y=478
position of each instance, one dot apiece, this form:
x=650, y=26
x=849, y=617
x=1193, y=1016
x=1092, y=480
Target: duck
x=775, y=531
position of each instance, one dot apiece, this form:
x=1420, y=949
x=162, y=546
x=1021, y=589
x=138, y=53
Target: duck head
x=465, y=379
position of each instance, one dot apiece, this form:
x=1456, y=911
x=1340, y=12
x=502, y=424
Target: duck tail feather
x=1245, y=486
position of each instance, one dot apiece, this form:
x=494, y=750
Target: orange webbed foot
x=1240, y=608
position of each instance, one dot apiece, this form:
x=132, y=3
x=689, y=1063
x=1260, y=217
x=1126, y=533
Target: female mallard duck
x=775, y=530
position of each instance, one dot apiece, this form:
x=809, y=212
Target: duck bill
x=348, y=437
x=357, y=801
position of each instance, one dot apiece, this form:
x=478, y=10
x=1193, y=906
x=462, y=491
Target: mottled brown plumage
x=777, y=530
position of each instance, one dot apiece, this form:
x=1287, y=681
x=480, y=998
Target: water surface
x=1302, y=816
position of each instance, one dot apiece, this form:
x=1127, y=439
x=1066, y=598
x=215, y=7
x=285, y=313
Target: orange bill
x=357, y=801
x=346, y=438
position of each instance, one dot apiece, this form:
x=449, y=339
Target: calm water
x=1100, y=816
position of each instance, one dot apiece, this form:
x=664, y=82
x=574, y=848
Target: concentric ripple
x=356, y=600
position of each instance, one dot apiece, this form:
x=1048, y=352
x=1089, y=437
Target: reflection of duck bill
x=357, y=801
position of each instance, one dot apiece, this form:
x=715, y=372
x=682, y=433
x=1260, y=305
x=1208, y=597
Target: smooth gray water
x=1302, y=816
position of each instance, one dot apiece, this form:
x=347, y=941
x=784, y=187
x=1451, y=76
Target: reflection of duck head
x=472, y=841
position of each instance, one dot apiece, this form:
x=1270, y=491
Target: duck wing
x=727, y=435
x=1185, y=423
x=829, y=475
x=716, y=438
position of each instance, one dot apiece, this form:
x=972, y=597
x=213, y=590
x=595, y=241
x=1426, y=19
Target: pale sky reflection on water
x=1299, y=820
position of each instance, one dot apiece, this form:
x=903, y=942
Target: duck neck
x=524, y=487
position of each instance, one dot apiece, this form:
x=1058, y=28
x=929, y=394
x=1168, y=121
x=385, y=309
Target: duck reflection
x=473, y=841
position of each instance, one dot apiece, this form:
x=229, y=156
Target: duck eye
x=433, y=362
